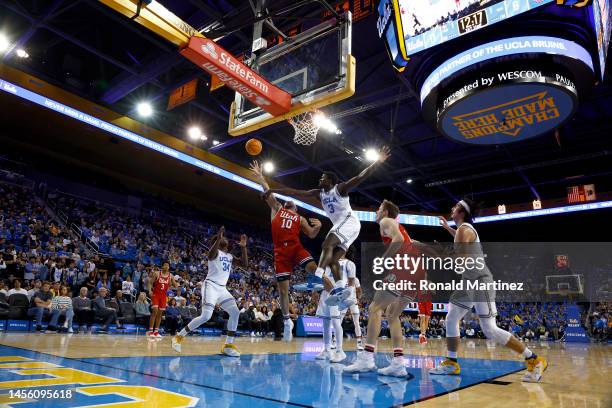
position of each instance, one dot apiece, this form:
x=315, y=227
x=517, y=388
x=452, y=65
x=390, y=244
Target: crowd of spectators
x=99, y=258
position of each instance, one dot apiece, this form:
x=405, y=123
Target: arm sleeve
x=350, y=269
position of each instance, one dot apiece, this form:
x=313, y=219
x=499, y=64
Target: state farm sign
x=210, y=56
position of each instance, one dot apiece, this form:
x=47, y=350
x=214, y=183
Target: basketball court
x=296, y=84
x=291, y=375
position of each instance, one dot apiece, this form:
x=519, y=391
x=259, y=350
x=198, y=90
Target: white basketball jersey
x=335, y=206
x=470, y=226
x=219, y=269
x=347, y=270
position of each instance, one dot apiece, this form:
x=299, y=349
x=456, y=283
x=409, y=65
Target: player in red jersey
x=390, y=302
x=425, y=307
x=159, y=283
x=288, y=250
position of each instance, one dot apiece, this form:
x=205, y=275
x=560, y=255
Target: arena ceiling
x=88, y=49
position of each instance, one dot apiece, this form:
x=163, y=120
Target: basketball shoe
x=447, y=367
x=395, y=369
x=176, y=343
x=229, y=349
x=362, y=364
x=324, y=355
x=422, y=339
x=288, y=330
x=338, y=356
x=536, y=365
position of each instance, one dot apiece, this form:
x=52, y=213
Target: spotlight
x=371, y=155
x=268, y=167
x=4, y=43
x=203, y=138
x=215, y=142
x=409, y=181
x=21, y=53
x=194, y=132
x=323, y=122
x=144, y=109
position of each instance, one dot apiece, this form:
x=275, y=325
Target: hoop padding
x=305, y=128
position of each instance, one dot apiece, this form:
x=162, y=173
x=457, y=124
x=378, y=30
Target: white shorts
x=213, y=294
x=325, y=311
x=347, y=231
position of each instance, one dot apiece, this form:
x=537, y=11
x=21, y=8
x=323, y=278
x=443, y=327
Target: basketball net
x=305, y=128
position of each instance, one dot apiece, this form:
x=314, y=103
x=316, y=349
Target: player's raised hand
x=443, y=221
x=384, y=154
x=314, y=222
x=243, y=240
x=256, y=168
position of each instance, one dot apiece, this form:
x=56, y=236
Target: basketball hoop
x=305, y=127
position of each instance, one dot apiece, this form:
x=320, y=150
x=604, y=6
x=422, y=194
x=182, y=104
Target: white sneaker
x=70, y=330
x=252, y=334
x=395, y=369
x=288, y=330
x=176, y=343
x=362, y=364
x=338, y=295
x=360, y=346
x=324, y=355
x=338, y=356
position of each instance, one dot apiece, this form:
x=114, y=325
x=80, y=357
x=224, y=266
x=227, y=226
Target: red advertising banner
x=183, y=94
x=206, y=54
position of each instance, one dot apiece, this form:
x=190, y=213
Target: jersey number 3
x=330, y=207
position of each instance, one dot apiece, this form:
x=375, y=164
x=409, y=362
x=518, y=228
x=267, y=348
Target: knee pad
x=490, y=329
x=453, y=317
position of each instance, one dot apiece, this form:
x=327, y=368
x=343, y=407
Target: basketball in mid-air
x=253, y=147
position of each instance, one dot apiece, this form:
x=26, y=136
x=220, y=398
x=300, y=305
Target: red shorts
x=160, y=300
x=287, y=257
x=425, y=308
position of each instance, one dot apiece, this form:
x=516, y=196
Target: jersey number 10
x=287, y=223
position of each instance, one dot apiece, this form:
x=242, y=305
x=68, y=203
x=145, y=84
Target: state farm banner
x=211, y=57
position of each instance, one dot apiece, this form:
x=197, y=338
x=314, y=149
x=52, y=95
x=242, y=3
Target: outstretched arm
x=347, y=186
x=213, y=252
x=447, y=227
x=311, y=231
x=293, y=192
x=244, y=258
x=270, y=199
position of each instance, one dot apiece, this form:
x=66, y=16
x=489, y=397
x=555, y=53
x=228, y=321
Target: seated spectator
x=3, y=288
x=116, y=282
x=35, y=288
x=82, y=309
x=188, y=312
x=40, y=306
x=104, y=312
x=63, y=304
x=173, y=316
x=17, y=288
x=142, y=310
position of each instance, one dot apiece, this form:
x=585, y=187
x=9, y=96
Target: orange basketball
x=253, y=147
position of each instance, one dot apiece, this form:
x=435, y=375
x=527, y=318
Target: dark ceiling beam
x=35, y=24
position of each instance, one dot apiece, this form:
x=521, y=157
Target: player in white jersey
x=354, y=309
x=332, y=315
x=467, y=243
x=214, y=292
x=346, y=226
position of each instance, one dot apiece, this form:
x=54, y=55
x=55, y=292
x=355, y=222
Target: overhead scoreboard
x=499, y=86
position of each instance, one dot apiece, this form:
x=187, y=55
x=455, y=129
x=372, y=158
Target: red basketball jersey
x=285, y=227
x=162, y=284
x=407, y=240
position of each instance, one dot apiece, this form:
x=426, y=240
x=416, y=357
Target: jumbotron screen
x=427, y=23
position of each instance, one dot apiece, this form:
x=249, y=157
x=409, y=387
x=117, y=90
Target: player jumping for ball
x=214, y=291
x=467, y=243
x=288, y=250
x=346, y=226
